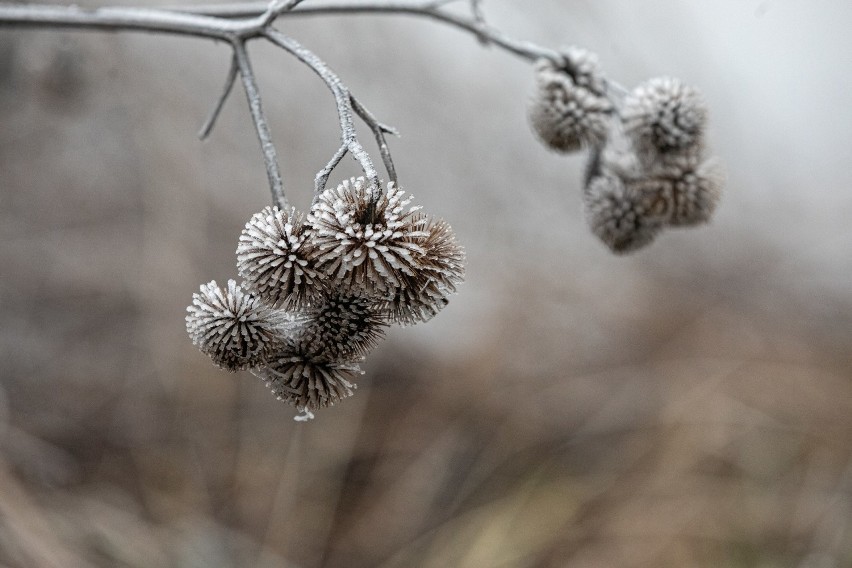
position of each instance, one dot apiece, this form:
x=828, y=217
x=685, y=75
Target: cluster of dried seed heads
x=320, y=290
x=647, y=168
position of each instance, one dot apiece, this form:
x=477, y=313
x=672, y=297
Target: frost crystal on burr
x=624, y=218
x=306, y=379
x=273, y=256
x=366, y=245
x=235, y=329
x=664, y=116
x=569, y=109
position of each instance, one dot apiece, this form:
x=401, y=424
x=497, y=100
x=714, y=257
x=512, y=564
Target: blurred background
x=689, y=405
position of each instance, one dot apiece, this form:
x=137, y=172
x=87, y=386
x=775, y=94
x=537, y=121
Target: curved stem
x=138, y=19
x=270, y=156
x=379, y=131
x=342, y=98
x=207, y=128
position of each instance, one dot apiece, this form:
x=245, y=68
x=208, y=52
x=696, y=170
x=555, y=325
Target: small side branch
x=379, y=131
x=226, y=91
x=322, y=176
x=270, y=156
x=344, y=104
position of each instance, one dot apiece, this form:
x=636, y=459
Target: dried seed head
x=696, y=193
x=623, y=217
x=422, y=296
x=583, y=67
x=664, y=116
x=273, y=256
x=341, y=326
x=306, y=380
x=565, y=113
x=235, y=329
x=366, y=247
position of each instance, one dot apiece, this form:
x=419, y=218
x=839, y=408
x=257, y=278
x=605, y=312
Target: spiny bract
x=273, y=255
x=366, y=242
x=235, y=329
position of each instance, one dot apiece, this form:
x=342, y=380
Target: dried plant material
x=306, y=379
x=274, y=255
x=664, y=116
x=342, y=326
x=442, y=269
x=583, y=67
x=696, y=193
x=620, y=216
x=366, y=245
x=569, y=109
x=235, y=329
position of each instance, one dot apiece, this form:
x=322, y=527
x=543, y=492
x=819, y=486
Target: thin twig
x=270, y=156
x=379, y=131
x=239, y=23
x=322, y=176
x=275, y=9
x=214, y=114
x=342, y=98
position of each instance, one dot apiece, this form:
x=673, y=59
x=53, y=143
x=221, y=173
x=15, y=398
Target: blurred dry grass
x=689, y=406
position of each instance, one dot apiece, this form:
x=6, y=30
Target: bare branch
x=379, y=131
x=429, y=9
x=138, y=19
x=342, y=98
x=270, y=156
x=214, y=114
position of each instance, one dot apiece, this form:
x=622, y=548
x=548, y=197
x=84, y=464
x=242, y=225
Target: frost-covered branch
x=207, y=128
x=342, y=99
x=270, y=156
x=320, y=288
x=430, y=9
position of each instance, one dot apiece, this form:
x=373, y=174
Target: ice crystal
x=273, y=255
x=234, y=328
x=366, y=245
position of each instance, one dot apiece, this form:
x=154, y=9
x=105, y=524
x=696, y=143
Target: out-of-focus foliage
x=690, y=405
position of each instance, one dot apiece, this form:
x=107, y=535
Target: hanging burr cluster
x=320, y=291
x=647, y=168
